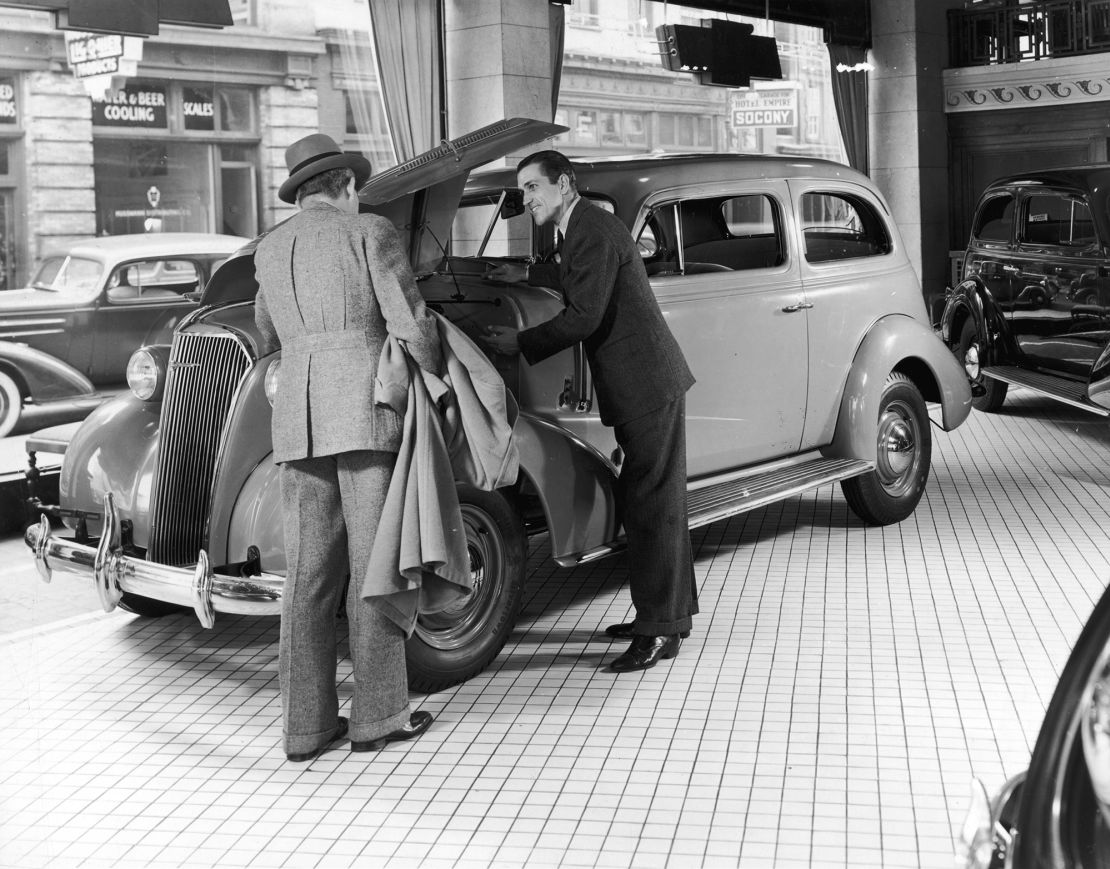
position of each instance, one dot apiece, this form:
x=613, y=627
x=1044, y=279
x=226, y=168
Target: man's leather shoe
x=418, y=723
x=625, y=632
x=645, y=652
x=339, y=732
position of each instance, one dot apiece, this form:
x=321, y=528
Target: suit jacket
x=636, y=362
x=332, y=285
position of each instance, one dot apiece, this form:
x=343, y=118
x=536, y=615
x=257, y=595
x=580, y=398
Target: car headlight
x=270, y=383
x=146, y=372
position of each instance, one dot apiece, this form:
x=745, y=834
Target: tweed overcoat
x=636, y=362
x=332, y=285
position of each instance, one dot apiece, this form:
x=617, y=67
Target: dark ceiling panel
x=846, y=22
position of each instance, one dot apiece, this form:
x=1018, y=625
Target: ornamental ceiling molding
x=1029, y=84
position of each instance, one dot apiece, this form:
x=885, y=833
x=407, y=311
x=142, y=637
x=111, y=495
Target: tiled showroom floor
x=841, y=687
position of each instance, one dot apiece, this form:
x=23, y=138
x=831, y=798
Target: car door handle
x=801, y=306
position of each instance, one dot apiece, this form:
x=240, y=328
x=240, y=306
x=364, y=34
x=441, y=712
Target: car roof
x=628, y=180
x=1086, y=177
x=107, y=247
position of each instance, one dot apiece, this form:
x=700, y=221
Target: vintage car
x=784, y=280
x=1056, y=814
x=1032, y=307
x=66, y=337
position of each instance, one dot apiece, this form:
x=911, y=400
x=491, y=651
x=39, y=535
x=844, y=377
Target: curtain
x=849, y=87
x=557, y=30
x=407, y=48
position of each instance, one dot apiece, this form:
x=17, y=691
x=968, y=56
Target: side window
x=1063, y=221
x=838, y=226
x=995, y=219
x=153, y=281
x=718, y=234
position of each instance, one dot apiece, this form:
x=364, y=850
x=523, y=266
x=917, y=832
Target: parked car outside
x=89, y=306
x=1033, y=306
x=1056, y=814
x=785, y=281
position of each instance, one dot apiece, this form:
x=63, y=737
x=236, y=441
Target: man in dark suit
x=641, y=378
x=333, y=284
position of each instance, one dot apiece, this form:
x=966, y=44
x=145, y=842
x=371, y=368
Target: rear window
x=1057, y=221
x=838, y=227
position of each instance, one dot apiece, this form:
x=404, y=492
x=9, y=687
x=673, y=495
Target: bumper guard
x=114, y=573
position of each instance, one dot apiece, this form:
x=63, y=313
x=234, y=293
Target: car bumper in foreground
x=114, y=573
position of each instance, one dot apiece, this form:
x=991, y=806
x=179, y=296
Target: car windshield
x=70, y=275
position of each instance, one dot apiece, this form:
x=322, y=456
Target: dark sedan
x=89, y=306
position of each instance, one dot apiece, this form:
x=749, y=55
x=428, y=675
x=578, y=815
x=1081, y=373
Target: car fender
x=114, y=450
x=573, y=481
x=896, y=343
x=972, y=298
x=40, y=376
x=575, y=485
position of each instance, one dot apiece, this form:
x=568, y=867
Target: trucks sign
x=764, y=107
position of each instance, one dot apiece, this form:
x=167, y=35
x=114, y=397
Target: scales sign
x=764, y=107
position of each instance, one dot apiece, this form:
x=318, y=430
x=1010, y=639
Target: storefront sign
x=198, y=108
x=764, y=107
x=8, y=110
x=91, y=54
x=133, y=106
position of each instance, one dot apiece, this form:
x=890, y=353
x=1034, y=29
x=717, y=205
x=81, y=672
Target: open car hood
x=420, y=197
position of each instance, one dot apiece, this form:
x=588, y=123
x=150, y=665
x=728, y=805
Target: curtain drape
x=556, y=17
x=849, y=87
x=406, y=46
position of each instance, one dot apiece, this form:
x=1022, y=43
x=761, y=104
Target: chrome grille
x=205, y=371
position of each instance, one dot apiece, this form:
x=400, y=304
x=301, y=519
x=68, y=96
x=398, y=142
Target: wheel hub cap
x=897, y=447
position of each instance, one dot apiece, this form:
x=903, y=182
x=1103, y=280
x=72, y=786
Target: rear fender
x=896, y=343
x=575, y=485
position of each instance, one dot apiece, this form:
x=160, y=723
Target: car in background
x=785, y=282
x=1032, y=308
x=1056, y=814
x=70, y=332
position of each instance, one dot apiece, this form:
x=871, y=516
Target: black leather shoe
x=418, y=723
x=625, y=632
x=646, y=652
x=339, y=732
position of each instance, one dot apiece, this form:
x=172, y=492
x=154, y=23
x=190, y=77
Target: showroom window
x=838, y=227
x=10, y=137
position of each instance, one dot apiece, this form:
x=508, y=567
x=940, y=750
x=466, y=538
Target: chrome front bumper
x=114, y=573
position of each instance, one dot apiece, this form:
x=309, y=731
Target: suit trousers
x=332, y=506
x=651, y=495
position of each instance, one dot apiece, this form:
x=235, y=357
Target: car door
x=144, y=297
x=729, y=287
x=1059, y=316
x=850, y=267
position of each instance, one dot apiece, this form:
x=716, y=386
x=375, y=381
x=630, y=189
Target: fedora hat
x=313, y=155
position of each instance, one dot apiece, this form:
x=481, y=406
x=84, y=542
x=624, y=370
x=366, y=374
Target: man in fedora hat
x=332, y=284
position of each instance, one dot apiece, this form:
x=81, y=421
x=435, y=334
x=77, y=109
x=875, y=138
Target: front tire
x=1059, y=821
x=902, y=453
x=11, y=404
x=970, y=353
x=451, y=646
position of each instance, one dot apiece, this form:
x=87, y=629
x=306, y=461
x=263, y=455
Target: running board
x=721, y=500
x=709, y=501
x=1060, y=388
